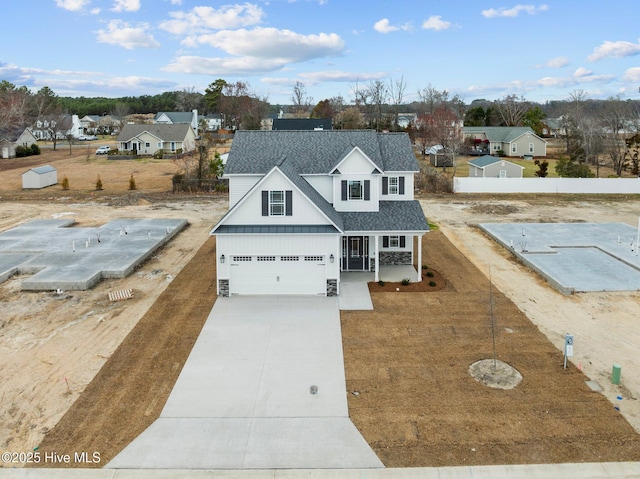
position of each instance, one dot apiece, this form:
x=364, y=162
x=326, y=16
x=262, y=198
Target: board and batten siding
x=239, y=185
x=303, y=212
x=406, y=191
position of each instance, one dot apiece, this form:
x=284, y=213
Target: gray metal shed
x=40, y=177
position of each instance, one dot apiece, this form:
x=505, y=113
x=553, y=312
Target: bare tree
x=120, y=113
x=615, y=118
x=396, y=93
x=512, y=109
x=15, y=104
x=301, y=102
x=188, y=99
x=58, y=125
x=379, y=95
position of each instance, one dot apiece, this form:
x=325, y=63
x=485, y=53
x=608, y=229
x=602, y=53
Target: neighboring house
x=515, y=141
x=302, y=124
x=553, y=127
x=213, y=121
x=10, y=138
x=406, y=119
x=305, y=206
x=178, y=118
x=148, y=139
x=89, y=124
x=488, y=166
x=42, y=128
x=40, y=177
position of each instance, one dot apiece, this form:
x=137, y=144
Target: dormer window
x=355, y=190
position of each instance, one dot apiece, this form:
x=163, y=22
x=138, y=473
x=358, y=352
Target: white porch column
x=420, y=258
x=376, y=274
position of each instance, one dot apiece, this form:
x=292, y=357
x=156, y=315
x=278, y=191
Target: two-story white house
x=305, y=206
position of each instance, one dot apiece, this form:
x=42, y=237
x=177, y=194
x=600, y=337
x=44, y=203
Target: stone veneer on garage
x=332, y=287
x=223, y=286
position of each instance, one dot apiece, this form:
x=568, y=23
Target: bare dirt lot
x=84, y=374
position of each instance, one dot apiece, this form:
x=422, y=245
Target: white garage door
x=295, y=274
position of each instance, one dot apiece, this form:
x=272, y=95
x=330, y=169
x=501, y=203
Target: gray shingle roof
x=504, y=134
x=393, y=216
x=176, y=117
x=161, y=131
x=317, y=152
x=486, y=160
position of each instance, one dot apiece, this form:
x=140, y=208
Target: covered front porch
x=381, y=256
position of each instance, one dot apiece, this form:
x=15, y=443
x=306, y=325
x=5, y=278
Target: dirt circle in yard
x=495, y=374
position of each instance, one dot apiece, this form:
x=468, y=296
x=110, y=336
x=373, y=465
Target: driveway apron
x=263, y=388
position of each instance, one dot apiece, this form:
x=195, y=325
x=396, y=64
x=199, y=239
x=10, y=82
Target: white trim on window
x=276, y=203
x=394, y=241
x=394, y=185
x=355, y=190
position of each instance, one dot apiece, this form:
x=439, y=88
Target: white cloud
x=201, y=19
x=435, y=22
x=582, y=72
x=224, y=66
x=615, y=50
x=126, y=6
x=384, y=26
x=514, y=11
x=124, y=35
x=340, y=76
x=632, y=74
x=557, y=62
x=285, y=45
x=72, y=5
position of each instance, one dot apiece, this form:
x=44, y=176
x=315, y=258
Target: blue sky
x=475, y=48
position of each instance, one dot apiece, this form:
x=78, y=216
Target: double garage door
x=295, y=274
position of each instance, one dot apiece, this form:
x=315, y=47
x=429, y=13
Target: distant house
x=10, y=138
x=148, y=139
x=43, y=128
x=553, y=127
x=213, y=121
x=302, y=124
x=89, y=124
x=40, y=177
x=406, y=119
x=178, y=118
x=516, y=141
x=488, y=166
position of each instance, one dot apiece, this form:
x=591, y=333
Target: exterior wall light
x=221, y=258
x=331, y=258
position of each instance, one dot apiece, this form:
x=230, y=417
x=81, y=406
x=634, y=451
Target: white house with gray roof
x=517, y=141
x=148, y=139
x=305, y=206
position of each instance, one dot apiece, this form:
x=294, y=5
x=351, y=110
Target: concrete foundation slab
x=60, y=257
x=575, y=257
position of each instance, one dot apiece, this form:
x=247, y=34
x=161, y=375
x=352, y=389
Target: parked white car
x=103, y=150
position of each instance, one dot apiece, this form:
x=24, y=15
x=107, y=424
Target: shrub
x=35, y=149
x=132, y=182
x=424, y=266
x=98, y=183
x=381, y=283
x=405, y=281
x=430, y=274
x=65, y=183
x=432, y=283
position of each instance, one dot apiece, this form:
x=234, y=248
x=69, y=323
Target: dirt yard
x=84, y=374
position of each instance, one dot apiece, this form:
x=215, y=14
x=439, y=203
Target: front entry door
x=355, y=253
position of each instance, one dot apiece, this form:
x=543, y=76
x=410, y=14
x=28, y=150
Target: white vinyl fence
x=547, y=185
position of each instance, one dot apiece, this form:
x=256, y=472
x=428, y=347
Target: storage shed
x=40, y=177
x=488, y=166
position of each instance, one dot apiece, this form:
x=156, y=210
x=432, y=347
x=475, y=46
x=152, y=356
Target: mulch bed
x=432, y=281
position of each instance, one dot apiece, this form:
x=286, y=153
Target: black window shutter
x=385, y=185
x=367, y=190
x=288, y=205
x=385, y=241
x=403, y=241
x=265, y=203
x=401, y=185
x=344, y=190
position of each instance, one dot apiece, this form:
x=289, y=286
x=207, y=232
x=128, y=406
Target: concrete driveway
x=263, y=388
